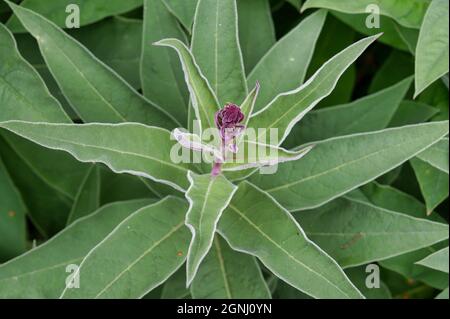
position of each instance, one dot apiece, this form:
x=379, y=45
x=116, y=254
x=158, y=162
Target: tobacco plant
x=224, y=149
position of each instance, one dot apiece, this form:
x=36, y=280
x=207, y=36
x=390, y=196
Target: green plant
x=95, y=171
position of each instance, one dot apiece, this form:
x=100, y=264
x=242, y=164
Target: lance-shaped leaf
x=228, y=274
x=339, y=165
x=432, y=50
x=87, y=199
x=433, y=183
x=284, y=66
x=407, y=14
x=204, y=101
x=254, y=154
x=208, y=196
x=437, y=260
x=13, y=231
x=362, y=233
x=125, y=148
x=41, y=273
x=370, y=113
x=183, y=10
x=437, y=155
x=61, y=11
x=255, y=15
x=272, y=235
x=290, y=107
x=23, y=94
x=161, y=74
x=142, y=252
x=95, y=91
x=215, y=46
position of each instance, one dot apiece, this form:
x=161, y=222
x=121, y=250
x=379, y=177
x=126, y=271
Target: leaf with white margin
x=290, y=107
x=339, y=165
x=24, y=95
x=203, y=99
x=93, y=89
x=432, y=50
x=437, y=260
x=256, y=224
x=228, y=274
x=131, y=148
x=283, y=68
x=41, y=272
x=437, y=155
x=355, y=233
x=215, y=46
x=249, y=103
x=195, y=143
x=208, y=196
x=142, y=252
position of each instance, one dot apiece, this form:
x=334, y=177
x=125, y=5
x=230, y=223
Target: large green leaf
x=362, y=233
x=290, y=107
x=94, y=91
x=125, y=148
x=215, y=46
x=142, y=252
x=208, y=196
x=23, y=94
x=370, y=113
x=183, y=10
x=408, y=14
x=437, y=155
x=90, y=11
x=161, y=73
x=433, y=183
x=256, y=30
x=41, y=273
x=433, y=46
x=339, y=165
x=284, y=66
x=437, y=260
x=272, y=235
x=228, y=274
x=87, y=199
x=358, y=276
x=203, y=99
x=13, y=231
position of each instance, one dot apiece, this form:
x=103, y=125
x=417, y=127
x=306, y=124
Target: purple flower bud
x=227, y=121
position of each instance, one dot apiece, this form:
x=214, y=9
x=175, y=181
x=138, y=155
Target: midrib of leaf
x=38, y=174
x=216, y=50
x=111, y=150
x=222, y=268
x=283, y=250
x=340, y=167
x=149, y=250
